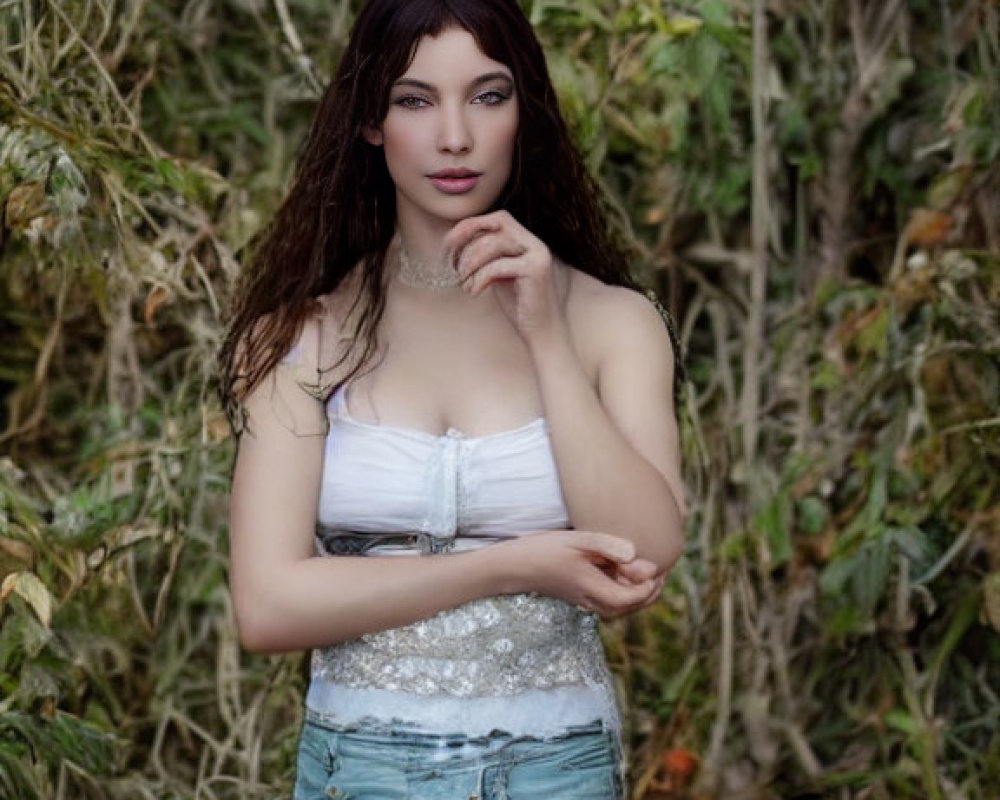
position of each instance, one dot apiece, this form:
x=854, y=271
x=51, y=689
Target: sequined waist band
x=494, y=646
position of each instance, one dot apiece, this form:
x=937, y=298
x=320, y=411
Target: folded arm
x=288, y=598
x=616, y=445
x=605, y=368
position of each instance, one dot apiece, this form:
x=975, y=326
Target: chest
x=443, y=365
x=379, y=478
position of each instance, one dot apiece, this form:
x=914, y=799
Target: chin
x=458, y=207
x=458, y=212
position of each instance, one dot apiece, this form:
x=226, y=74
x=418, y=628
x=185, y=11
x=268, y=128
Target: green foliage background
x=813, y=185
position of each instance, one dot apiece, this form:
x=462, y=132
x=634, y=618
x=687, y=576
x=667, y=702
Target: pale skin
x=523, y=335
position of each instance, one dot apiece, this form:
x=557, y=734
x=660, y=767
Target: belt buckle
x=431, y=545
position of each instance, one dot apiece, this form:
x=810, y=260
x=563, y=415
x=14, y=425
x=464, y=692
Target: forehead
x=452, y=56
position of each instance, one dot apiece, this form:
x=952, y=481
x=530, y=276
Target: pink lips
x=454, y=181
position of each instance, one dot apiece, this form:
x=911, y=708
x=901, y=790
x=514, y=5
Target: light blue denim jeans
x=335, y=765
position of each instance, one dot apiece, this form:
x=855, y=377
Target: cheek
x=402, y=145
x=505, y=137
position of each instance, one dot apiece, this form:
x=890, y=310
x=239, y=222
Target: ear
x=372, y=135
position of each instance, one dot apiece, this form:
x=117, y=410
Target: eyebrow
x=428, y=87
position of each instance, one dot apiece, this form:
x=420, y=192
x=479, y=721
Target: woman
x=438, y=353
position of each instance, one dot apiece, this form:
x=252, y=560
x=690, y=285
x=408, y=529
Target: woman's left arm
x=616, y=445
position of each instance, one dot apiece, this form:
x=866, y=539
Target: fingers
x=651, y=599
x=613, y=548
x=487, y=247
x=491, y=257
x=603, y=575
x=637, y=571
x=654, y=595
x=467, y=229
x=467, y=232
x=626, y=598
x=494, y=247
x=501, y=269
x=612, y=599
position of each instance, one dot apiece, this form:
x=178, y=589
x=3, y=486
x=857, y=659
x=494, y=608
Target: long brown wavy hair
x=341, y=208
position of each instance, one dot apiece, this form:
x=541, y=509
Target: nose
x=454, y=134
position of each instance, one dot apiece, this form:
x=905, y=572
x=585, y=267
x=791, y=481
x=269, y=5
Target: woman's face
x=449, y=133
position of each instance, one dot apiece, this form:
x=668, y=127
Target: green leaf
x=812, y=514
x=774, y=521
x=901, y=721
x=825, y=376
x=873, y=338
x=30, y=588
x=64, y=737
x=871, y=570
x=991, y=600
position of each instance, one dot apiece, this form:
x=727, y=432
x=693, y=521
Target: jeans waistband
x=387, y=734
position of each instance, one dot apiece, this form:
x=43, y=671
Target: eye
x=492, y=97
x=411, y=101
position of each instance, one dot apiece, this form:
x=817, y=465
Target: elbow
x=254, y=639
x=670, y=539
x=665, y=550
x=678, y=517
x=256, y=635
x=670, y=552
x=259, y=628
x=270, y=620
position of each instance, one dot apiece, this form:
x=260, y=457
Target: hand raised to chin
x=496, y=250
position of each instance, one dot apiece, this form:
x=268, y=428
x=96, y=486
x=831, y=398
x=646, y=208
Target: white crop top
x=380, y=478
x=524, y=664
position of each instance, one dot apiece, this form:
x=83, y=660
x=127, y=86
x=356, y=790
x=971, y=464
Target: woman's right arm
x=288, y=598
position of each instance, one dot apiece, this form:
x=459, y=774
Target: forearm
x=606, y=484
x=320, y=601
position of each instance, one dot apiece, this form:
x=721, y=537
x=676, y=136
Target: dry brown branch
x=135, y=128
x=724, y=693
x=873, y=29
x=302, y=61
x=753, y=340
x=128, y=30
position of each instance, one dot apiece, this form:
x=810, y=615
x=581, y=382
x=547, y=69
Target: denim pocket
x=315, y=764
x=596, y=750
x=581, y=767
x=368, y=768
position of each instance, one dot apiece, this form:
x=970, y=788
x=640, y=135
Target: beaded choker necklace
x=419, y=275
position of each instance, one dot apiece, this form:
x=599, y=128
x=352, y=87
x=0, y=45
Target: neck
x=423, y=238
x=421, y=258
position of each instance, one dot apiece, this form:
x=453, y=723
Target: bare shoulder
x=337, y=308
x=327, y=335
x=308, y=365
x=607, y=321
x=610, y=303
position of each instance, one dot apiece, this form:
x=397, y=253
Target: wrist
x=501, y=570
x=551, y=339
